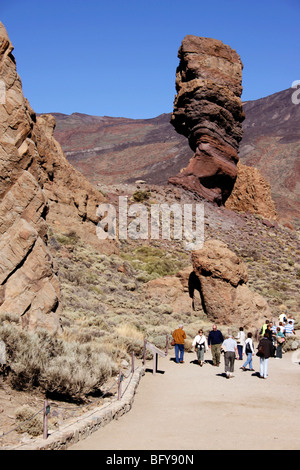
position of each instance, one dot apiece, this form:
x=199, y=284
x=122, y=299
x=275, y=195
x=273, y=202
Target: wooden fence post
x=45, y=419
x=167, y=344
x=144, y=353
x=119, y=385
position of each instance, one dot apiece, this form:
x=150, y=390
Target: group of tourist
x=272, y=338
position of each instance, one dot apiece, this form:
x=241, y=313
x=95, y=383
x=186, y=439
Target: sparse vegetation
x=28, y=421
x=156, y=262
x=57, y=367
x=141, y=196
x=106, y=314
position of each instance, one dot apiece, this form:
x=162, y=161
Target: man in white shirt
x=230, y=353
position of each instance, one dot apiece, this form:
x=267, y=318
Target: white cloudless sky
x=119, y=58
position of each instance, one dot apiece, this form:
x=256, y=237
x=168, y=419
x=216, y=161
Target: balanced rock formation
x=225, y=296
x=208, y=111
x=252, y=193
x=37, y=185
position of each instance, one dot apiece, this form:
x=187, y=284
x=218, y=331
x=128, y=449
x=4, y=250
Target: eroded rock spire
x=208, y=111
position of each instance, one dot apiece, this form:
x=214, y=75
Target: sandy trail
x=188, y=407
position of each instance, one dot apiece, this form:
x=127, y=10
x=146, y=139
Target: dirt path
x=188, y=407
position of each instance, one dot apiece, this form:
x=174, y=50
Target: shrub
x=80, y=372
x=70, y=238
x=140, y=196
x=57, y=367
x=129, y=331
x=155, y=262
x=29, y=421
x=130, y=339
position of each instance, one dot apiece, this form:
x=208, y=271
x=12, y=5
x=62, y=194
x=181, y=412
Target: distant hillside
x=114, y=150
x=271, y=143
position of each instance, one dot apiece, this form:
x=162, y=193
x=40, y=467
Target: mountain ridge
x=123, y=150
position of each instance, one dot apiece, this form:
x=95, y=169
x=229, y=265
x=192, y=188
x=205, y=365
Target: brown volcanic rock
x=28, y=284
x=208, y=111
x=36, y=182
x=225, y=296
x=252, y=193
x=72, y=200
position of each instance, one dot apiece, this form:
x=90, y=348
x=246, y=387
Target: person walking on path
x=230, y=353
x=249, y=351
x=179, y=337
x=201, y=346
x=279, y=343
x=240, y=339
x=215, y=340
x=265, y=351
x=289, y=329
x=263, y=328
x=291, y=319
x=271, y=336
x=283, y=317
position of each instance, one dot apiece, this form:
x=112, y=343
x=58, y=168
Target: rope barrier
x=22, y=424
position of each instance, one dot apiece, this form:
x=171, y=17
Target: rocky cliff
x=252, y=193
x=38, y=187
x=208, y=111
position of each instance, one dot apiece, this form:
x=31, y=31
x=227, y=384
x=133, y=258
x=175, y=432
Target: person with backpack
x=264, y=352
x=248, y=349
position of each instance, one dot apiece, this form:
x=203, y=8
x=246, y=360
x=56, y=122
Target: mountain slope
x=115, y=150
x=271, y=143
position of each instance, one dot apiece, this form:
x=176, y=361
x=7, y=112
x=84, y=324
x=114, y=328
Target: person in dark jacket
x=215, y=340
x=265, y=351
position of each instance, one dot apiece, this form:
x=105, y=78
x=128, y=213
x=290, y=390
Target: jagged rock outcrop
x=37, y=187
x=28, y=284
x=225, y=296
x=252, y=193
x=208, y=111
x=72, y=200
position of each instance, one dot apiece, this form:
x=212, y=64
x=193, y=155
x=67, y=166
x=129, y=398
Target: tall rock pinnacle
x=208, y=111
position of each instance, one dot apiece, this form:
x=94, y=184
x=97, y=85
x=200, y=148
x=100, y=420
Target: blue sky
x=119, y=58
